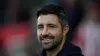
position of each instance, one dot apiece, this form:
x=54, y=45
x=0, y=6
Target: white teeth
x=46, y=40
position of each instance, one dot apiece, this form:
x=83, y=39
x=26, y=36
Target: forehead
x=49, y=18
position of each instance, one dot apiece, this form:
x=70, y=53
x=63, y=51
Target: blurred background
x=18, y=26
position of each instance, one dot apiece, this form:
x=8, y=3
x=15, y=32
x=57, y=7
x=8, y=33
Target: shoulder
x=72, y=49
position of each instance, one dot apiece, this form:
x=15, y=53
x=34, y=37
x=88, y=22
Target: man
x=52, y=26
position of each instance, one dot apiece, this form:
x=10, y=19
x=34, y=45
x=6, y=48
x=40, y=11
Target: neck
x=55, y=51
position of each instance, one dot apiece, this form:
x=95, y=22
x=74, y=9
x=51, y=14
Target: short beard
x=55, y=46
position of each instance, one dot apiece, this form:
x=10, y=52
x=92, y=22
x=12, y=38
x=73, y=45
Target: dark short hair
x=54, y=9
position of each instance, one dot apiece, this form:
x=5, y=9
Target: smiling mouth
x=46, y=41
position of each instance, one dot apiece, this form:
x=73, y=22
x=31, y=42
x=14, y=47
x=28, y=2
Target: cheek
x=38, y=34
x=56, y=32
x=58, y=37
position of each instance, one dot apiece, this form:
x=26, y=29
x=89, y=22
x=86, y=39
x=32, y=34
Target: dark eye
x=40, y=26
x=51, y=26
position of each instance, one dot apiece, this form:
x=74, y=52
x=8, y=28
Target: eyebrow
x=51, y=24
x=47, y=24
x=39, y=24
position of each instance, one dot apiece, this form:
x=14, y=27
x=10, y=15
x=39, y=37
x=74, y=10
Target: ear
x=65, y=30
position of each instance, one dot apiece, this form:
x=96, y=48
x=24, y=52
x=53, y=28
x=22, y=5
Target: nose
x=45, y=31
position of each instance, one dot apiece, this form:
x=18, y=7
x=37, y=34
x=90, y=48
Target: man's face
x=49, y=31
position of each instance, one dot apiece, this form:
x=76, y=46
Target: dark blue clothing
x=67, y=50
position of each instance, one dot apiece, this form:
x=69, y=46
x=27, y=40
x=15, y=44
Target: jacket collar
x=62, y=51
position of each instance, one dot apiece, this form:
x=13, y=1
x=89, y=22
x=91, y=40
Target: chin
x=49, y=48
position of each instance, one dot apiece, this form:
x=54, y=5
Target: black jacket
x=67, y=50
